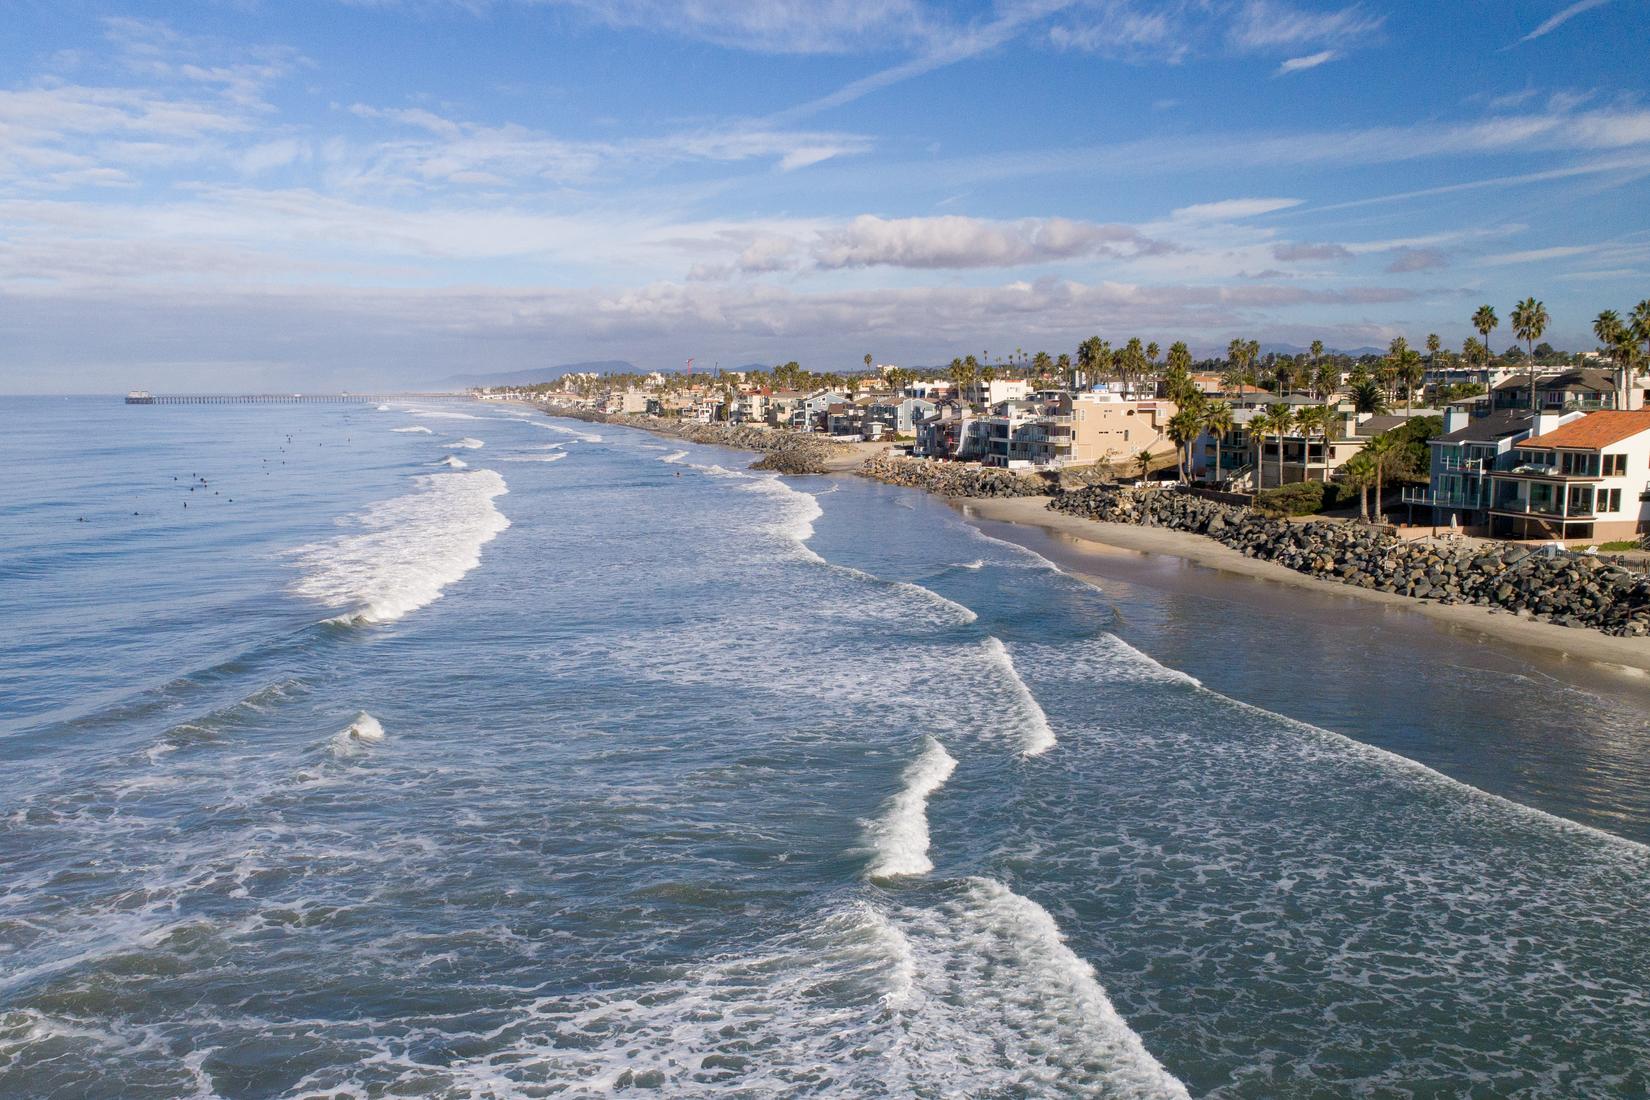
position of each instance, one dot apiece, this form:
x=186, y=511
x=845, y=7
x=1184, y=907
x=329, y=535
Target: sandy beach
x=1081, y=546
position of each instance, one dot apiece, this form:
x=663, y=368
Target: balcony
x=1428, y=498
x=1521, y=507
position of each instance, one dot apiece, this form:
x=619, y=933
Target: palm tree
x=1151, y=353
x=867, y=360
x=1413, y=372
x=1183, y=428
x=1281, y=418
x=1313, y=419
x=1088, y=357
x=1485, y=320
x=1062, y=366
x=1145, y=460
x=1367, y=397
x=1386, y=452
x=1325, y=378
x=1641, y=324
x=1359, y=472
x=1529, y=321
x=1131, y=361
x=1217, y=421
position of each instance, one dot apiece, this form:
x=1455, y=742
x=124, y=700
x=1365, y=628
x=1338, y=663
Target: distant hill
x=535, y=374
x=1292, y=349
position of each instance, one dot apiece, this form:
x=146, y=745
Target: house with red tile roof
x=1585, y=481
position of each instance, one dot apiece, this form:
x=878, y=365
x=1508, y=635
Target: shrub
x=1301, y=498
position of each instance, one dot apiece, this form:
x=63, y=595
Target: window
x=1615, y=465
x=1610, y=499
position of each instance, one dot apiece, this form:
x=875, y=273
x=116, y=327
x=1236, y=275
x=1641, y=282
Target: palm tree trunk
x=1218, y=440
x=1280, y=460
x=1534, y=408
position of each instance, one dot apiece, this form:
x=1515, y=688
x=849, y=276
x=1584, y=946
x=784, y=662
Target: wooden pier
x=139, y=397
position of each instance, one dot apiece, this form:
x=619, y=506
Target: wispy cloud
x=1228, y=209
x=1310, y=61
x=1268, y=24
x=959, y=242
x=1563, y=17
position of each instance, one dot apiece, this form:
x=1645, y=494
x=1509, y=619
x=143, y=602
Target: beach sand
x=1088, y=549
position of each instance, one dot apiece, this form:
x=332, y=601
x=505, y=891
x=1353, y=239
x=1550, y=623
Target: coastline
x=1088, y=540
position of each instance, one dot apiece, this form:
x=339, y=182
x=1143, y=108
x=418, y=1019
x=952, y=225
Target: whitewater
x=603, y=765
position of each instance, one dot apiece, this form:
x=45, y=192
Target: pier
x=142, y=397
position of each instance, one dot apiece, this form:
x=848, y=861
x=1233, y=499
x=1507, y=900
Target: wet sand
x=1085, y=546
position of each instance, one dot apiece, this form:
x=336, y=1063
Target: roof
x=1487, y=429
x=1595, y=430
x=1378, y=425
x=1581, y=378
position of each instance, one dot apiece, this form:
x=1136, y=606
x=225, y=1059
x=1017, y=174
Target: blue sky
x=237, y=193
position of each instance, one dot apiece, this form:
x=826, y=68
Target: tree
x=867, y=360
x=1359, y=472
x=1183, y=428
x=1180, y=357
x=1312, y=420
x=1151, y=353
x=1485, y=321
x=1326, y=377
x=1217, y=421
x=1641, y=324
x=1367, y=397
x=1145, y=460
x=1385, y=451
x=1089, y=354
x=1131, y=361
x=1474, y=352
x=1041, y=365
x=1281, y=418
x=1413, y=372
x=1433, y=344
x=1529, y=321
x=1062, y=366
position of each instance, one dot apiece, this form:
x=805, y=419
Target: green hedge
x=1305, y=498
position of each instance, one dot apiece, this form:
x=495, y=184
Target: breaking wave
x=410, y=548
x=468, y=443
x=412, y=428
x=901, y=836
x=352, y=739
x=1037, y=737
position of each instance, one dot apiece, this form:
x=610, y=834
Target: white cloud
x=1271, y=24
x=953, y=241
x=1310, y=61
x=1563, y=17
x=1228, y=209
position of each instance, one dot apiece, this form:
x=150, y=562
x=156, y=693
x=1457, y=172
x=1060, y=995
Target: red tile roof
x=1595, y=430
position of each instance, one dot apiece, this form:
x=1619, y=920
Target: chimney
x=1455, y=418
x=1546, y=422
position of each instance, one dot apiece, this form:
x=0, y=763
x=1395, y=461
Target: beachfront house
x=1587, y=480
x=1583, y=388
x=1101, y=426
x=939, y=434
x=897, y=417
x=1463, y=458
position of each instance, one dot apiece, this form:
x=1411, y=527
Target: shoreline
x=1092, y=538
x=1621, y=656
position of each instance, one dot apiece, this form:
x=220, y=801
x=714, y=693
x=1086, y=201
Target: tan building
x=1103, y=427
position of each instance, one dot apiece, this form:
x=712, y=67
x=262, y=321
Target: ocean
x=457, y=751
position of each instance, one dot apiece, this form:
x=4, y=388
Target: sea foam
x=1036, y=736
x=468, y=443
x=414, y=428
x=900, y=837
x=409, y=548
x=350, y=740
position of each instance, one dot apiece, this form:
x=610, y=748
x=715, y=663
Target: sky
x=251, y=194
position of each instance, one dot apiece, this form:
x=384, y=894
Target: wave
x=452, y=462
x=1036, y=736
x=418, y=428
x=352, y=739
x=554, y=456
x=796, y=522
x=468, y=443
x=412, y=547
x=901, y=836
x=587, y=437
x=382, y=409
x=674, y=458
x=976, y=995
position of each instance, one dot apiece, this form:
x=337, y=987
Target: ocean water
x=461, y=752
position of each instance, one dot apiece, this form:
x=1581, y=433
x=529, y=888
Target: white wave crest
x=453, y=462
x=587, y=437
x=554, y=456
x=350, y=740
x=382, y=409
x=1036, y=736
x=901, y=836
x=796, y=521
x=411, y=548
x=978, y=995
x=468, y=443
x=674, y=457
x=414, y=428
